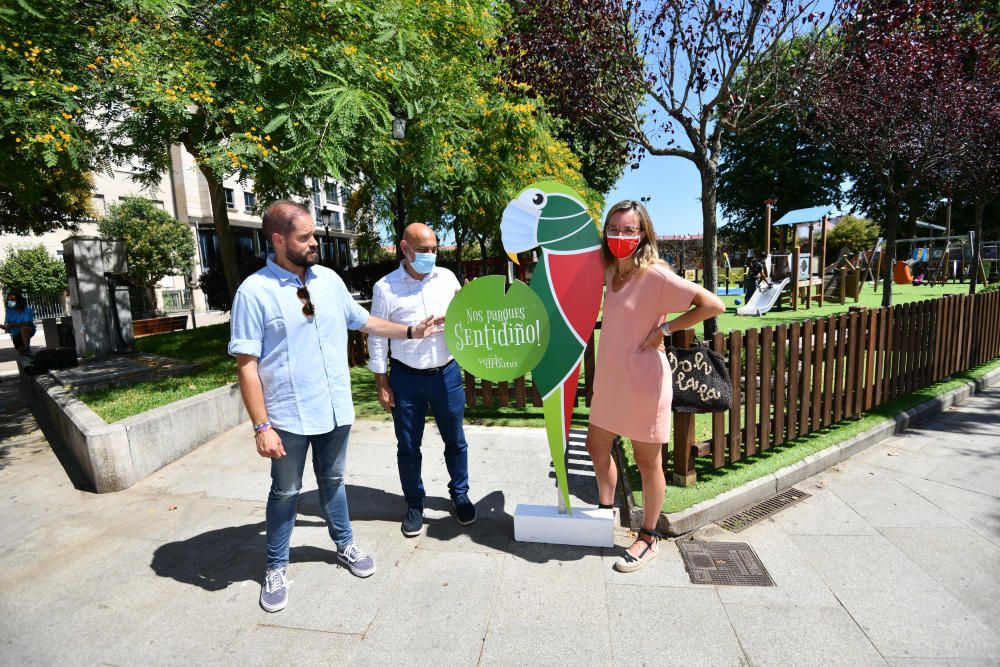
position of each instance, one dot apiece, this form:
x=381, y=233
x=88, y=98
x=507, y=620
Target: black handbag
x=701, y=379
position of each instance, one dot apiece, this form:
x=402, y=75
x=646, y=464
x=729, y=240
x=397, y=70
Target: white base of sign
x=585, y=527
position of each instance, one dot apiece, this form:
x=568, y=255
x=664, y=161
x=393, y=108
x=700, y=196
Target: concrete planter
x=116, y=456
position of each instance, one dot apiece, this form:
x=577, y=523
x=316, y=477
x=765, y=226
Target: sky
x=673, y=182
x=674, y=186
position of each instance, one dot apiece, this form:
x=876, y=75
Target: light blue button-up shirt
x=302, y=360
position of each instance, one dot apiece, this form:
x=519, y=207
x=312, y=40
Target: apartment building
x=183, y=193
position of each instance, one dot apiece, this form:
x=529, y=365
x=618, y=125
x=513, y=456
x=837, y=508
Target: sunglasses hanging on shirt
x=308, y=309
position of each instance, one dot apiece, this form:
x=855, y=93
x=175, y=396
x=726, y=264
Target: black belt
x=398, y=365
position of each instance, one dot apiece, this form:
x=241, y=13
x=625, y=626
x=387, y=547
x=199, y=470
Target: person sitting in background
x=19, y=322
x=756, y=271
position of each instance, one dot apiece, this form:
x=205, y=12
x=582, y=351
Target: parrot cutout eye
x=534, y=197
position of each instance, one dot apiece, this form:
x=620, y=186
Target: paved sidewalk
x=894, y=559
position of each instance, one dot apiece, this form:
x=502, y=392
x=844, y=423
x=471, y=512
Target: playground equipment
x=940, y=258
x=843, y=279
x=808, y=272
x=764, y=298
x=730, y=276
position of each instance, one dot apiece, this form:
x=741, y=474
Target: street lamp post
x=399, y=134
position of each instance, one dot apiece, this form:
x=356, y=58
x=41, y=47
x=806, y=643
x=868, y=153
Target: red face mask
x=622, y=246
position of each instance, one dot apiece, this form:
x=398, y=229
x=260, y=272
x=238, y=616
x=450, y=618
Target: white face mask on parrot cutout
x=519, y=226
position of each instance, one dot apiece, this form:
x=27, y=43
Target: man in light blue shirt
x=289, y=336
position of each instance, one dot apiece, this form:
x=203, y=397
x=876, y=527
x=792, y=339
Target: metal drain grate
x=762, y=510
x=723, y=564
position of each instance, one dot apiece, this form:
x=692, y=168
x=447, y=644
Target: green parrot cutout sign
x=568, y=282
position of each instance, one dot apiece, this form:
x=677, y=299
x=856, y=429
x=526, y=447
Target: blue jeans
x=329, y=464
x=446, y=395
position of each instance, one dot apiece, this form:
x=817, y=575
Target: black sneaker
x=413, y=524
x=465, y=511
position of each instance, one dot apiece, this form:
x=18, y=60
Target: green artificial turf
x=900, y=294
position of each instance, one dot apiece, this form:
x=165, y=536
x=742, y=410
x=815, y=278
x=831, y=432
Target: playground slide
x=764, y=299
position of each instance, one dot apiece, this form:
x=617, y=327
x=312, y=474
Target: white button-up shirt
x=400, y=298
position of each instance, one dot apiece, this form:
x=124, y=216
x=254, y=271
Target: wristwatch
x=665, y=329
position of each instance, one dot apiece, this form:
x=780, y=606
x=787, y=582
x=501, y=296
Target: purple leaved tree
x=898, y=98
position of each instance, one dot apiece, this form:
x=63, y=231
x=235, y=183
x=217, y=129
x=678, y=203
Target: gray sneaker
x=274, y=590
x=357, y=561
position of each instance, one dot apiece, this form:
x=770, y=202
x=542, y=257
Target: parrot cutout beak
x=519, y=228
x=513, y=257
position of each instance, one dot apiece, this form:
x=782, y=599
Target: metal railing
x=48, y=305
x=176, y=300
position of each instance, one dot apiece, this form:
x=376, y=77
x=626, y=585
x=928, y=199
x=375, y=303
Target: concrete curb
x=730, y=502
x=116, y=456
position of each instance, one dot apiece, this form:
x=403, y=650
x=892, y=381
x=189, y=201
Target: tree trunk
x=220, y=217
x=482, y=249
x=710, y=239
x=891, y=223
x=977, y=246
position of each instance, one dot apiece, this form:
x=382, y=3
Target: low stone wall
x=116, y=456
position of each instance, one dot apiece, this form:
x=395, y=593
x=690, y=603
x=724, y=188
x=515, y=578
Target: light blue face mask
x=423, y=262
x=12, y=304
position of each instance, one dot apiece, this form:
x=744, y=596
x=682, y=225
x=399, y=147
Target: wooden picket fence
x=519, y=392
x=795, y=379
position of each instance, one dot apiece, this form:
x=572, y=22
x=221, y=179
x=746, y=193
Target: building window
x=230, y=202
x=100, y=205
x=337, y=220
x=209, y=244
x=332, y=193
x=249, y=201
x=344, y=253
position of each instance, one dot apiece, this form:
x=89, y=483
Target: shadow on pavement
x=218, y=558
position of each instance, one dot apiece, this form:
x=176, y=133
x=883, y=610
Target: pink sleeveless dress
x=632, y=387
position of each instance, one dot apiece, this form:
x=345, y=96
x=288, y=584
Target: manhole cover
x=762, y=510
x=723, y=564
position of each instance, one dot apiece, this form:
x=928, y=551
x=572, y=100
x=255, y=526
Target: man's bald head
x=417, y=234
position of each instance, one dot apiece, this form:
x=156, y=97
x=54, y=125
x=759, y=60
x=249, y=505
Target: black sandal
x=629, y=563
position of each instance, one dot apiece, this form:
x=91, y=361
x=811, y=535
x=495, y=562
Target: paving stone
x=550, y=608
x=438, y=613
x=810, y=635
x=824, y=513
x=961, y=561
x=884, y=502
x=671, y=626
x=900, y=608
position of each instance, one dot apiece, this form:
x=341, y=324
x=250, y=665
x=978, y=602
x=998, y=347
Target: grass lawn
x=713, y=482
x=207, y=346
x=869, y=299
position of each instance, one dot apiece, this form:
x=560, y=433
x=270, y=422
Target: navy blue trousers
x=445, y=394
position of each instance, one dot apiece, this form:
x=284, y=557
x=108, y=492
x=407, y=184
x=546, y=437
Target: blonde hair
x=647, y=253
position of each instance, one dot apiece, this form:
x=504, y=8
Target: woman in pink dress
x=632, y=386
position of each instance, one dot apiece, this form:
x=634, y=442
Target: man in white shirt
x=422, y=372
